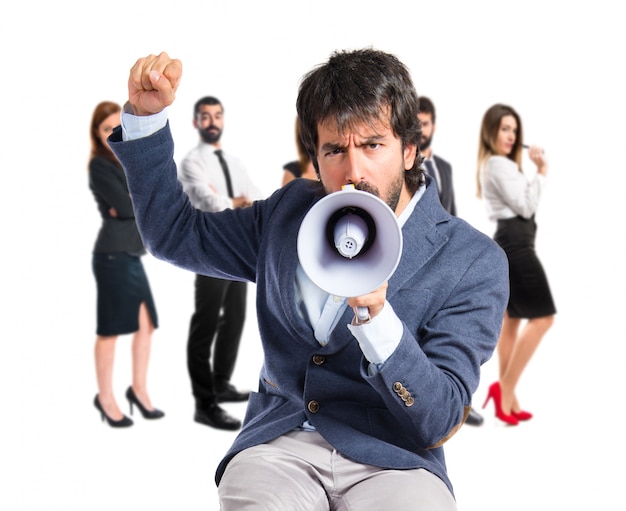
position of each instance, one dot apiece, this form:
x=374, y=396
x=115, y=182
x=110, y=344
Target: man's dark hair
x=206, y=100
x=358, y=86
x=427, y=107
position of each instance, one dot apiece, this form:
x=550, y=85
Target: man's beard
x=210, y=134
x=425, y=142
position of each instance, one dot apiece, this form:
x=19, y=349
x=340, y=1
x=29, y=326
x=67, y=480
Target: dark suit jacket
x=108, y=184
x=446, y=193
x=450, y=290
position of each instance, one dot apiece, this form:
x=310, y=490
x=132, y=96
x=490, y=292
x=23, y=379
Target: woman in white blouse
x=511, y=199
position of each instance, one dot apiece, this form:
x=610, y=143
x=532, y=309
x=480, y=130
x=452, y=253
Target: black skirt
x=122, y=286
x=530, y=292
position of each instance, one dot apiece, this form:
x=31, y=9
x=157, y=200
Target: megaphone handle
x=363, y=314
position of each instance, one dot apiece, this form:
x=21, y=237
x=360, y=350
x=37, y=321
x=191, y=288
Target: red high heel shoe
x=522, y=415
x=496, y=394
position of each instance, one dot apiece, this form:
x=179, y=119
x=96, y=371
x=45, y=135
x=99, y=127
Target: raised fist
x=153, y=82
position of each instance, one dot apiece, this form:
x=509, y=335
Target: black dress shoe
x=216, y=417
x=474, y=418
x=231, y=394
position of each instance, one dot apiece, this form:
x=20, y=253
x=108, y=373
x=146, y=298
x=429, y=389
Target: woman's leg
x=522, y=351
x=506, y=342
x=142, y=341
x=105, y=356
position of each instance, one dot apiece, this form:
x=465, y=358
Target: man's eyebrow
x=373, y=138
x=331, y=146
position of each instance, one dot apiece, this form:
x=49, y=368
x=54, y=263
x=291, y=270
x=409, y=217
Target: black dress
x=293, y=167
x=121, y=280
x=530, y=292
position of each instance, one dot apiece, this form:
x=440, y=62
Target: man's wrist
x=138, y=126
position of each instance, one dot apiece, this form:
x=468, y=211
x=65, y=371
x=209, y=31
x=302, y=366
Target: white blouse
x=507, y=192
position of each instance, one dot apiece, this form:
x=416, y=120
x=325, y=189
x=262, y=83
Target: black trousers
x=218, y=318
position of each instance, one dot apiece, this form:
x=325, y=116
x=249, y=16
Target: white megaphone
x=350, y=243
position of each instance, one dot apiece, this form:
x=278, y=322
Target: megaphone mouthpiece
x=351, y=231
x=350, y=235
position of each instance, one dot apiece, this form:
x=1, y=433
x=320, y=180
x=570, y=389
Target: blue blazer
x=450, y=290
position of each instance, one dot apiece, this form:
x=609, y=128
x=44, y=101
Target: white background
x=558, y=63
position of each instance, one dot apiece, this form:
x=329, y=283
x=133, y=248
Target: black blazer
x=446, y=189
x=110, y=190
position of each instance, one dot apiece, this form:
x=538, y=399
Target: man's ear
x=410, y=152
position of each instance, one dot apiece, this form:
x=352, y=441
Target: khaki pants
x=300, y=471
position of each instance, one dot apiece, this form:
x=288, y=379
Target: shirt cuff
x=379, y=337
x=140, y=126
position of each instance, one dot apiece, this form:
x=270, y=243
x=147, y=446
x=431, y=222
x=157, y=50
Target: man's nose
x=354, y=168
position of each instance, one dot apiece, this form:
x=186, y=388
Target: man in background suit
x=441, y=171
x=215, y=180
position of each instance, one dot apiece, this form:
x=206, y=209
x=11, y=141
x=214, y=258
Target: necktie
x=430, y=170
x=224, y=165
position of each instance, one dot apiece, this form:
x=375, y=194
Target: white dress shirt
x=203, y=179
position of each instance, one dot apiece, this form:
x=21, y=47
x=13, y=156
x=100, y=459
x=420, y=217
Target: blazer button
x=397, y=387
x=313, y=406
x=318, y=360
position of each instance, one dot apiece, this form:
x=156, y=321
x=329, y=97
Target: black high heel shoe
x=147, y=414
x=124, y=422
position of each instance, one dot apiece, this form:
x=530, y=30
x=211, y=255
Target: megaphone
x=349, y=243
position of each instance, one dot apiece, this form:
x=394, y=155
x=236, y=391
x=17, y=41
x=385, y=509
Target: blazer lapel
x=422, y=239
